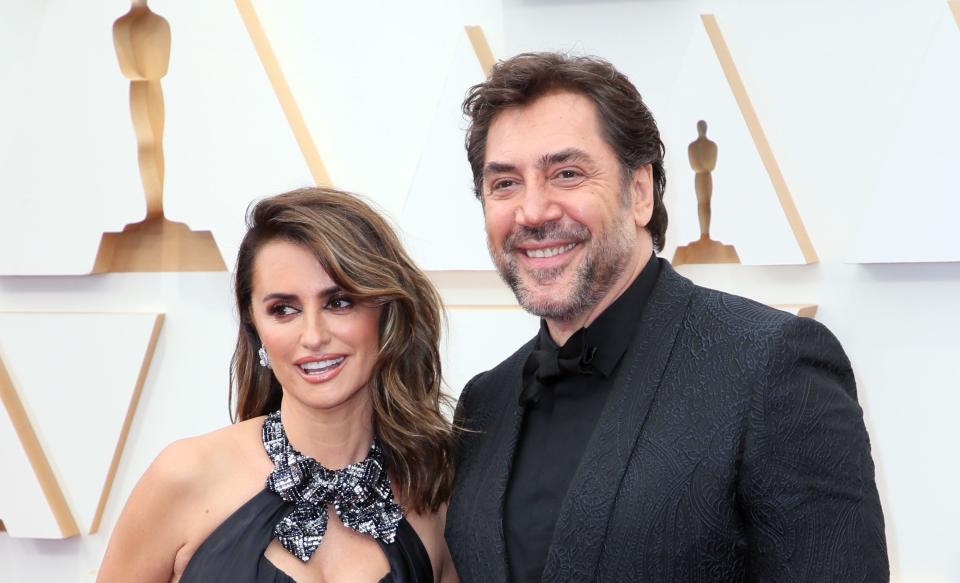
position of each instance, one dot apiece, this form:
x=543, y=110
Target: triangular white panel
x=643, y=40
x=23, y=507
x=67, y=148
x=912, y=213
x=479, y=338
x=227, y=141
x=746, y=211
x=366, y=82
x=75, y=374
x=442, y=221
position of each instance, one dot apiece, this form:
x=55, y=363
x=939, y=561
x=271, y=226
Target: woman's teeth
x=319, y=366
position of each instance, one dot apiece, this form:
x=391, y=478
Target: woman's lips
x=320, y=370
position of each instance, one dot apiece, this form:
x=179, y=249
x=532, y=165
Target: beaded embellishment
x=360, y=493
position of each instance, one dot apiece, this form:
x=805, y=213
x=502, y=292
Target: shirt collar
x=608, y=336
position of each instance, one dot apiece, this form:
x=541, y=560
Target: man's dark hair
x=626, y=123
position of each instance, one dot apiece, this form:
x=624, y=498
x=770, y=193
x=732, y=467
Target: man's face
x=563, y=221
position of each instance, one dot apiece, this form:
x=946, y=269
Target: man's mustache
x=572, y=232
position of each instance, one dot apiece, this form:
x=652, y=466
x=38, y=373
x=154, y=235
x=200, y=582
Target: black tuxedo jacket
x=731, y=448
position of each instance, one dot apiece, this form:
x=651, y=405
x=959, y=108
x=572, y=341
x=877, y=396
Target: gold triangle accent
x=802, y=310
x=955, y=8
x=481, y=48
x=127, y=421
x=38, y=459
x=284, y=94
x=759, y=137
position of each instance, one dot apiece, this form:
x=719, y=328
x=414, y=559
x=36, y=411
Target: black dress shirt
x=557, y=427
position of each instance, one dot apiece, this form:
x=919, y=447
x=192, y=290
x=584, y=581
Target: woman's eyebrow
x=287, y=297
x=279, y=296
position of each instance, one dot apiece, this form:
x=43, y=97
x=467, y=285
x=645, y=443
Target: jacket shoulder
x=743, y=317
x=487, y=389
x=736, y=312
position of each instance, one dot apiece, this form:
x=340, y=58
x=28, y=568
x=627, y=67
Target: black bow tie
x=545, y=367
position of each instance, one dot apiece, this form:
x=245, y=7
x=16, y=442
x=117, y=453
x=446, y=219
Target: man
x=654, y=430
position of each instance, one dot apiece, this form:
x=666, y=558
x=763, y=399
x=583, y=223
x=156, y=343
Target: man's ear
x=641, y=187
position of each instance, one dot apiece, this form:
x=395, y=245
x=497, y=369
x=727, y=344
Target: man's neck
x=562, y=330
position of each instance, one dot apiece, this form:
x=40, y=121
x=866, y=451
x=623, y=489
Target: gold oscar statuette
x=703, y=159
x=142, y=42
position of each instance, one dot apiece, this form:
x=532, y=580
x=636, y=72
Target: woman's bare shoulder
x=229, y=455
x=192, y=460
x=195, y=465
x=178, y=499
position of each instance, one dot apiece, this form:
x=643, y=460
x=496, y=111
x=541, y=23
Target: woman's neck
x=335, y=437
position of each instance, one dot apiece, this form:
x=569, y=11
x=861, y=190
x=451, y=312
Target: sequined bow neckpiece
x=360, y=493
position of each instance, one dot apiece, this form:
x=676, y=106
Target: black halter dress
x=234, y=550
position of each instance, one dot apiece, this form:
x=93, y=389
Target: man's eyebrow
x=545, y=161
x=498, y=167
x=565, y=155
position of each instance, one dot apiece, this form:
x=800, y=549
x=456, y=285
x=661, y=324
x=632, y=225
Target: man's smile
x=542, y=255
x=549, y=251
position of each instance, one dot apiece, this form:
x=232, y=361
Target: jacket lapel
x=490, y=494
x=582, y=522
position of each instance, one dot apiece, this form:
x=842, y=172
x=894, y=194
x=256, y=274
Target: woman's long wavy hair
x=362, y=254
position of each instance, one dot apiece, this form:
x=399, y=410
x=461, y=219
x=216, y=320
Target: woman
x=337, y=377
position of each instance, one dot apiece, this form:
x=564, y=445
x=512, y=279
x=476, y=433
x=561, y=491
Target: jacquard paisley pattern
x=731, y=448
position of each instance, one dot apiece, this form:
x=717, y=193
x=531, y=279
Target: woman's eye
x=340, y=303
x=282, y=310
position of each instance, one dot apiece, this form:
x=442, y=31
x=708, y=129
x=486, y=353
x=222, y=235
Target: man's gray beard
x=596, y=274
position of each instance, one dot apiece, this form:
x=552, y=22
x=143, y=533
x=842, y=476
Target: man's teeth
x=550, y=251
x=321, y=365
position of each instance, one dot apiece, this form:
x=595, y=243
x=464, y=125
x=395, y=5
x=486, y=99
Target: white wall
x=831, y=83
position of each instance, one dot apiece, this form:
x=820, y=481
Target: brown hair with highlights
x=627, y=124
x=362, y=254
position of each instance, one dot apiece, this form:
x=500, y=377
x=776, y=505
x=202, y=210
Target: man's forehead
x=544, y=133
x=550, y=107
x=553, y=126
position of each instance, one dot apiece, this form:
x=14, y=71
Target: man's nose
x=537, y=206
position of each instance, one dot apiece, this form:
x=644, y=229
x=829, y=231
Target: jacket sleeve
x=807, y=491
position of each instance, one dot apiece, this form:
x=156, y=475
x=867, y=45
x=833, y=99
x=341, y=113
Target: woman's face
x=322, y=345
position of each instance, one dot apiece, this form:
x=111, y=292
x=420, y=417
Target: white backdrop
x=855, y=98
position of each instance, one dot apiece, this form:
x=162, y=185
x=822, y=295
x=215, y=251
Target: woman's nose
x=316, y=332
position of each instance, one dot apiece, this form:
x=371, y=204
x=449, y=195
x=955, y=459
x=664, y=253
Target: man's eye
x=568, y=174
x=502, y=184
